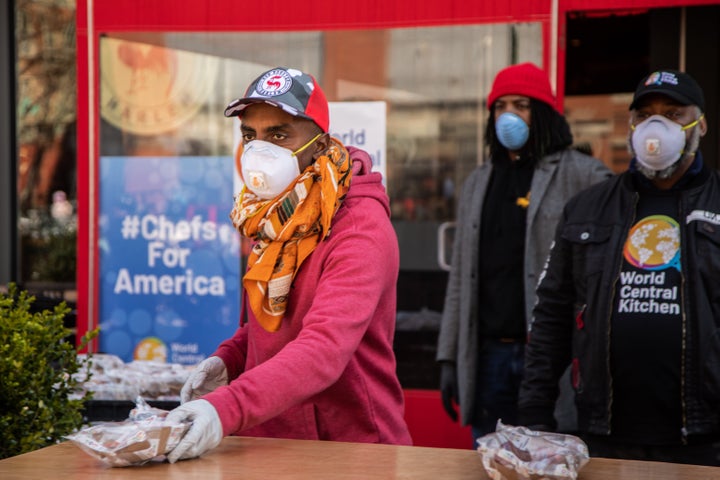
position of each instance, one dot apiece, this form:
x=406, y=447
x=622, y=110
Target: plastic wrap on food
x=518, y=453
x=145, y=436
x=158, y=379
x=112, y=379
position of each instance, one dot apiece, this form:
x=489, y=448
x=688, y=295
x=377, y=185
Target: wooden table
x=269, y=459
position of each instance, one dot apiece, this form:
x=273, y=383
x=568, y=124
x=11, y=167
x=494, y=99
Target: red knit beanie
x=522, y=79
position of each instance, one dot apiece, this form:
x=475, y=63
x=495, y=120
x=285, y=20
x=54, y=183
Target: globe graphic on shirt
x=654, y=243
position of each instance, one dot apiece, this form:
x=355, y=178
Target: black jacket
x=571, y=321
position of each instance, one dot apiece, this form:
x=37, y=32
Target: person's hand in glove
x=449, y=389
x=210, y=374
x=204, y=434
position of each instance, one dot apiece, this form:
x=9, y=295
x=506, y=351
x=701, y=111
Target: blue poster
x=169, y=257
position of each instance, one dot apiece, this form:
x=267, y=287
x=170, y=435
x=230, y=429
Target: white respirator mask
x=268, y=169
x=658, y=142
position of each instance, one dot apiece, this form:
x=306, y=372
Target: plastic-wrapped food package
x=143, y=437
x=112, y=379
x=518, y=453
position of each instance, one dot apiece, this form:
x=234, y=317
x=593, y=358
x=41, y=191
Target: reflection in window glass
x=163, y=94
x=434, y=81
x=435, y=128
x=46, y=113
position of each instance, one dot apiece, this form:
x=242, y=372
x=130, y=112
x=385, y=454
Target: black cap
x=677, y=85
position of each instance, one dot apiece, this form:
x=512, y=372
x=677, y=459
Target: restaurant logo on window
x=148, y=89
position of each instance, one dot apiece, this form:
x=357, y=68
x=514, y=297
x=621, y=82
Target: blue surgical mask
x=512, y=131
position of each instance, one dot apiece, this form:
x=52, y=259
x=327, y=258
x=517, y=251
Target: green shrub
x=36, y=375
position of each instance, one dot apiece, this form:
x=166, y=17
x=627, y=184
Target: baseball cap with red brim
x=295, y=92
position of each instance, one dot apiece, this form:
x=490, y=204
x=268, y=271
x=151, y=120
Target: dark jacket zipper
x=683, y=260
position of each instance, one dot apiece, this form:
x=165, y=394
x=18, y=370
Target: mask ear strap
x=692, y=124
x=307, y=144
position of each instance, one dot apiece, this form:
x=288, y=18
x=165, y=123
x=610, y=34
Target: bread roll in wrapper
x=518, y=453
x=143, y=437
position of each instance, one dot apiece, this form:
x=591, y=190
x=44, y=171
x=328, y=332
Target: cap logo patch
x=274, y=83
x=660, y=78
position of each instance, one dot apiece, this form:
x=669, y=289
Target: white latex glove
x=204, y=434
x=207, y=376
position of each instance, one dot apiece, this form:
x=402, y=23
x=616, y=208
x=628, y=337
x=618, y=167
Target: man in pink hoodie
x=312, y=358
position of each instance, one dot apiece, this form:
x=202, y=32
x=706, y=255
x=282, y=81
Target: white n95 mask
x=268, y=169
x=658, y=142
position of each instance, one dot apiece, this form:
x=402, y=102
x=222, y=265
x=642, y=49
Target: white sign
x=362, y=125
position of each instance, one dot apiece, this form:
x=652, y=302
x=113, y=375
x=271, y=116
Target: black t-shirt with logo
x=646, y=330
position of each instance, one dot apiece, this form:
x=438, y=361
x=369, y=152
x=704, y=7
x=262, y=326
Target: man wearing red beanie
x=509, y=208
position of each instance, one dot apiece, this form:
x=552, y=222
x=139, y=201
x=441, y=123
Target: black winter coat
x=571, y=321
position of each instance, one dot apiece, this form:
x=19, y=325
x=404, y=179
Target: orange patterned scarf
x=287, y=228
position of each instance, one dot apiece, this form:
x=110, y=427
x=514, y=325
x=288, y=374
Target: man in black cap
x=629, y=296
x=312, y=358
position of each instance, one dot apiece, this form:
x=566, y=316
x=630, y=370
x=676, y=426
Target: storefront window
x=46, y=113
x=163, y=94
x=434, y=81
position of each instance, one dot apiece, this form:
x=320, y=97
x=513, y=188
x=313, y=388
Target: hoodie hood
x=364, y=182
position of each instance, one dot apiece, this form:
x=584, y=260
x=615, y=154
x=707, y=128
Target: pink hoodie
x=328, y=373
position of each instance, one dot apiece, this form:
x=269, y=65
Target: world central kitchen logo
x=148, y=89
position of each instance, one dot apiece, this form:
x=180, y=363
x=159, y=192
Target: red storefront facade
x=431, y=61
